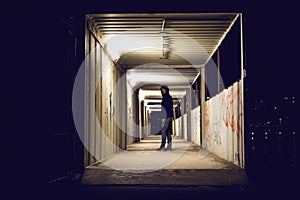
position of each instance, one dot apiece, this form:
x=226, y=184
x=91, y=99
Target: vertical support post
x=197, y=92
x=219, y=68
x=92, y=99
x=146, y=122
x=98, y=100
x=86, y=96
x=115, y=110
x=124, y=111
x=182, y=104
x=242, y=94
x=203, y=106
x=120, y=113
x=104, y=107
x=144, y=133
x=174, y=123
x=141, y=118
x=188, y=112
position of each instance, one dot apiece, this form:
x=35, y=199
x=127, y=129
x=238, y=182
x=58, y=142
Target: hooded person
x=167, y=109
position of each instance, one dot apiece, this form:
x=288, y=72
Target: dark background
x=40, y=59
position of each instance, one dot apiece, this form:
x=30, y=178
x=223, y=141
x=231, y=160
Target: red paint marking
x=207, y=121
x=231, y=110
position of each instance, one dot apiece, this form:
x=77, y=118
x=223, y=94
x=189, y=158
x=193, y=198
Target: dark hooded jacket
x=167, y=102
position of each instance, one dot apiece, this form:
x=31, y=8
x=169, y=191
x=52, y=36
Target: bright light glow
x=149, y=78
x=170, y=78
x=145, y=40
x=155, y=110
x=145, y=93
x=122, y=44
x=154, y=106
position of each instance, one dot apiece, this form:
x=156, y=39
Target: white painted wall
x=224, y=125
x=195, y=125
x=177, y=127
x=132, y=133
x=184, y=125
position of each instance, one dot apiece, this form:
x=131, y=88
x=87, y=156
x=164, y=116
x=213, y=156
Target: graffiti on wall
x=232, y=108
x=224, y=113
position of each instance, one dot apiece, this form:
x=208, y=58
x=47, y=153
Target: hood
x=166, y=88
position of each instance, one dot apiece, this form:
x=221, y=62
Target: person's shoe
x=160, y=149
x=168, y=149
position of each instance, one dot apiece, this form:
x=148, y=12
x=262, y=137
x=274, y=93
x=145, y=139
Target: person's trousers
x=166, y=132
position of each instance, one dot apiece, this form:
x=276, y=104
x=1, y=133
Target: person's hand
x=163, y=120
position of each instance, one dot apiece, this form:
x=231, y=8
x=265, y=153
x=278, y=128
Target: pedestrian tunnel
x=116, y=98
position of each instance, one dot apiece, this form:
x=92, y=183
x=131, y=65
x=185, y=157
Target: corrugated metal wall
x=103, y=106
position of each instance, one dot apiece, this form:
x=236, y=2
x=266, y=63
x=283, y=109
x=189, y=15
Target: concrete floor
x=143, y=173
x=141, y=164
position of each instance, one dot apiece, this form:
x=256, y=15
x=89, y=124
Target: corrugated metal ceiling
x=179, y=41
x=168, y=34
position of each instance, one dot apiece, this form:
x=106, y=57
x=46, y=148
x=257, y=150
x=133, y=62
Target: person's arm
x=163, y=111
x=170, y=106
